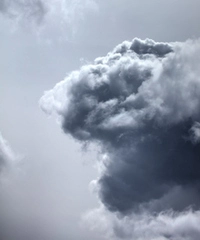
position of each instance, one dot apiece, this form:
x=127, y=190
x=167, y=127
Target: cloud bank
x=140, y=104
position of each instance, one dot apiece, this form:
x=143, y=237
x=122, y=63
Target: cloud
x=145, y=226
x=48, y=17
x=34, y=10
x=140, y=104
x=6, y=154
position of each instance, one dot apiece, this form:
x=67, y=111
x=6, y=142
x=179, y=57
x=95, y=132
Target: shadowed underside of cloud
x=140, y=103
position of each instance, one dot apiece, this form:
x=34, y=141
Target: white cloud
x=144, y=226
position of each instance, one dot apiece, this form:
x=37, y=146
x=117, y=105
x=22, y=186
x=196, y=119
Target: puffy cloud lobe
x=145, y=226
x=195, y=133
x=141, y=104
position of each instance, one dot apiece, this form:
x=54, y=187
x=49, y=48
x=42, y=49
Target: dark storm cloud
x=24, y=9
x=141, y=104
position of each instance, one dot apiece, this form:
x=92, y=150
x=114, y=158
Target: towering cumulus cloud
x=140, y=104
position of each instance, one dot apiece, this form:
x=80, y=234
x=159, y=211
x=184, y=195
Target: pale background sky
x=34, y=58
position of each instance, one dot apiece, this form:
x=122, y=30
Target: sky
x=100, y=126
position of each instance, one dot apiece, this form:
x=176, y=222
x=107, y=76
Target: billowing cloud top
x=141, y=104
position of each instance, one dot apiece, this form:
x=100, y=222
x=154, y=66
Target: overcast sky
x=41, y=42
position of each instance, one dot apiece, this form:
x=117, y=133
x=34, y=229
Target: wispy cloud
x=34, y=10
x=48, y=17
